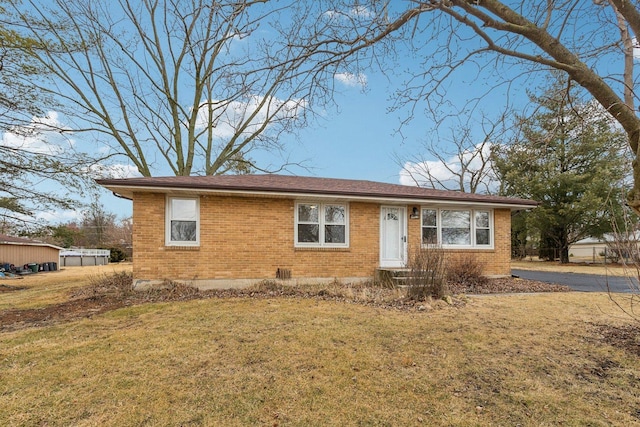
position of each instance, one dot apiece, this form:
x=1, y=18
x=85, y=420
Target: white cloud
x=419, y=171
x=59, y=216
x=354, y=12
x=361, y=11
x=351, y=80
x=117, y=170
x=230, y=116
x=447, y=172
x=43, y=135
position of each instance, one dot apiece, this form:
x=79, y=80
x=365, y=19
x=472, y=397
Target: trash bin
x=33, y=267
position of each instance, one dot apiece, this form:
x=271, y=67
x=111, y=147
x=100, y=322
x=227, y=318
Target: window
x=483, y=231
x=457, y=227
x=183, y=221
x=429, y=226
x=321, y=224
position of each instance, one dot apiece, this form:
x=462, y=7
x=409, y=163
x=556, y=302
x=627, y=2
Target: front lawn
x=543, y=359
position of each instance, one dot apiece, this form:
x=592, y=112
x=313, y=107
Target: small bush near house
x=269, y=286
x=466, y=270
x=117, y=255
x=427, y=274
x=119, y=284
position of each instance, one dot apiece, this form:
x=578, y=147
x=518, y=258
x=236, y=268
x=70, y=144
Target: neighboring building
x=234, y=230
x=608, y=248
x=19, y=251
x=589, y=249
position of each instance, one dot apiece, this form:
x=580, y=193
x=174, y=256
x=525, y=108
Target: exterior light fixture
x=415, y=213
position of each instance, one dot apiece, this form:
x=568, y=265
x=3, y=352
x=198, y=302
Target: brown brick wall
x=250, y=238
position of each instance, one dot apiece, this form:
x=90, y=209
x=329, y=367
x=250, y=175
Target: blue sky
x=356, y=140
x=359, y=138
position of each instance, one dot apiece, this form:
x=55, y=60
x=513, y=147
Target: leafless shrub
x=267, y=286
x=426, y=273
x=170, y=290
x=119, y=284
x=626, y=243
x=467, y=271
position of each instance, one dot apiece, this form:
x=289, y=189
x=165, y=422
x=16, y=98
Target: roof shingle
x=272, y=183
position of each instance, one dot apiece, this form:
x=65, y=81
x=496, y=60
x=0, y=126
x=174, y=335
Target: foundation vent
x=283, y=273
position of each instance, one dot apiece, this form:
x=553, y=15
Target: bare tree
x=97, y=225
x=460, y=162
x=35, y=153
x=196, y=87
x=498, y=39
x=170, y=81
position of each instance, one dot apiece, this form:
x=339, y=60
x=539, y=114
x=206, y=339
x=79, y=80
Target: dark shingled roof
x=271, y=183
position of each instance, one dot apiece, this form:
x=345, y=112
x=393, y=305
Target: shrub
x=426, y=274
x=117, y=285
x=466, y=270
x=117, y=255
x=170, y=290
x=268, y=286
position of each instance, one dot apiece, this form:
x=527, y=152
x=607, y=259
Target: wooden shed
x=19, y=251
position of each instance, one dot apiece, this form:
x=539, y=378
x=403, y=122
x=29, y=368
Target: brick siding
x=252, y=237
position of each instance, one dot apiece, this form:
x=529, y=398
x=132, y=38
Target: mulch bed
x=97, y=298
x=508, y=285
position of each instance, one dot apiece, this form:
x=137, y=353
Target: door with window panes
x=393, y=236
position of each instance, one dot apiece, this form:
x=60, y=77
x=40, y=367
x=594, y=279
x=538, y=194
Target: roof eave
x=126, y=191
x=31, y=244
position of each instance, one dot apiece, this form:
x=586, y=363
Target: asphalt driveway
x=582, y=282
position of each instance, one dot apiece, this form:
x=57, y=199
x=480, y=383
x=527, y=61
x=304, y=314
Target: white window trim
x=321, y=223
x=167, y=226
x=472, y=211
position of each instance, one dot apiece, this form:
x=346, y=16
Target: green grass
x=501, y=360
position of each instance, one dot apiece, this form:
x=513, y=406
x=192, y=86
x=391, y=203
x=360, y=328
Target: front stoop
x=395, y=277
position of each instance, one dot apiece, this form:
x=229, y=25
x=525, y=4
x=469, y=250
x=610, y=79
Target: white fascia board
x=129, y=190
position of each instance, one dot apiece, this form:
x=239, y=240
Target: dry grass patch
x=52, y=287
x=512, y=360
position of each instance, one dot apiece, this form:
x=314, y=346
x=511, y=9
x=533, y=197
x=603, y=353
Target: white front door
x=393, y=236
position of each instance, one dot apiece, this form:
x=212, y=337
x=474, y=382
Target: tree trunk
x=564, y=246
x=633, y=197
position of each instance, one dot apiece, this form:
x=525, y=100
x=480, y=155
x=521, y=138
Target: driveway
x=581, y=282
